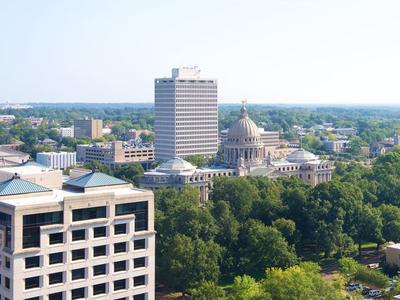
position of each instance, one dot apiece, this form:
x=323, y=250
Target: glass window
x=120, y=247
x=119, y=284
x=56, y=258
x=56, y=296
x=32, y=262
x=99, y=289
x=99, y=270
x=99, y=251
x=33, y=298
x=139, y=280
x=140, y=297
x=78, y=254
x=120, y=266
x=7, y=282
x=78, y=274
x=56, y=238
x=100, y=231
x=78, y=293
x=120, y=228
x=55, y=278
x=89, y=213
x=8, y=262
x=32, y=223
x=139, y=262
x=5, y=220
x=139, y=244
x=79, y=235
x=32, y=282
x=140, y=209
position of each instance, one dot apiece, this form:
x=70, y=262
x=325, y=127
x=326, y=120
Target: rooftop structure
x=10, y=157
x=93, y=238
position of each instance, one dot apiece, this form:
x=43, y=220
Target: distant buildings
x=336, y=146
x=67, y=131
x=345, y=131
x=10, y=157
x=15, y=106
x=88, y=128
x=56, y=160
x=35, y=122
x=7, y=119
x=186, y=114
x=114, y=153
x=92, y=238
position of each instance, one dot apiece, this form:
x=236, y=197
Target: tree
x=239, y=192
x=207, y=290
x=197, y=160
x=263, y=247
x=390, y=222
x=184, y=262
x=287, y=228
x=246, y=288
x=367, y=225
x=301, y=282
x=348, y=267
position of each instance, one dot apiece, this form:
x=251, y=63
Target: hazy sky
x=272, y=51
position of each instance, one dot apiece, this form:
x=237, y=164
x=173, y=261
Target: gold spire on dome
x=243, y=110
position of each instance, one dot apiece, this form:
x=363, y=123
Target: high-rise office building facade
x=88, y=128
x=186, y=114
x=93, y=238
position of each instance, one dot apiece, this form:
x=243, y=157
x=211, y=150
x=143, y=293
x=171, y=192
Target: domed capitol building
x=244, y=155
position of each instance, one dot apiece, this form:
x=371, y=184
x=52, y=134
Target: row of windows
x=80, y=254
x=77, y=274
x=97, y=289
x=32, y=223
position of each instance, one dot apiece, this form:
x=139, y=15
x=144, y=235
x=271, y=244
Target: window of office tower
x=89, y=213
x=5, y=220
x=140, y=209
x=32, y=223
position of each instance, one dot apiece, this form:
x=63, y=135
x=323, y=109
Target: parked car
x=365, y=291
x=375, y=293
x=353, y=286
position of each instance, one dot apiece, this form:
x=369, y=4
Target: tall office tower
x=186, y=114
x=91, y=239
x=88, y=128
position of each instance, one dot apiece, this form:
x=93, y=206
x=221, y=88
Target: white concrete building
x=7, y=118
x=56, y=160
x=67, y=131
x=186, y=114
x=92, y=239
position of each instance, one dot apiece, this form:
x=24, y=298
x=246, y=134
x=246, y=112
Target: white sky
x=269, y=51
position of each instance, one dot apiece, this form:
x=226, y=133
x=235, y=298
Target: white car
x=375, y=293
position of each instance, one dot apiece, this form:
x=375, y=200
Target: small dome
x=300, y=155
x=243, y=127
x=175, y=165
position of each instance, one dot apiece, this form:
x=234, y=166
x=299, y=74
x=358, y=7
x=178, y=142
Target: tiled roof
x=94, y=179
x=17, y=186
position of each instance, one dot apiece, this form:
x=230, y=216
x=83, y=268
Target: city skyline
x=271, y=52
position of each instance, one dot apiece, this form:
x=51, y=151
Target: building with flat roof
x=88, y=128
x=7, y=118
x=10, y=157
x=92, y=239
x=67, y=131
x=114, y=153
x=56, y=160
x=186, y=115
